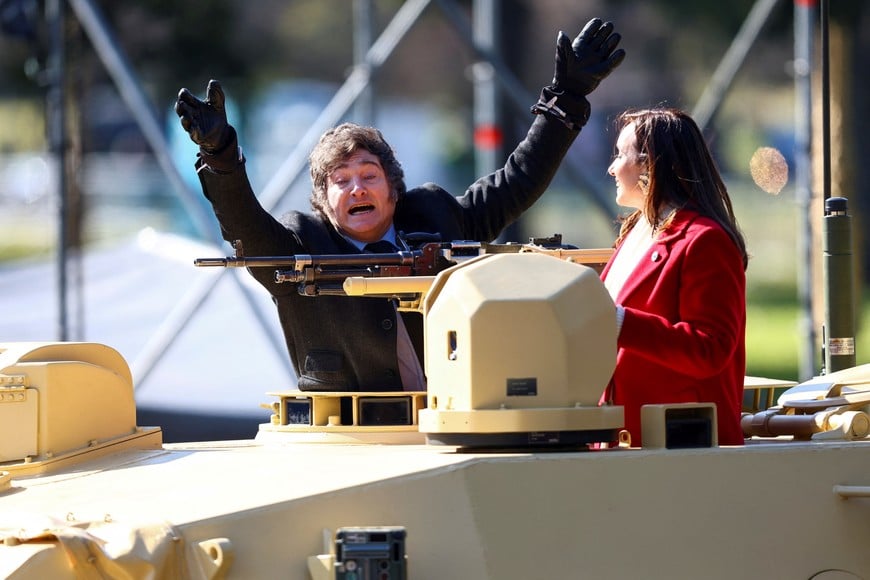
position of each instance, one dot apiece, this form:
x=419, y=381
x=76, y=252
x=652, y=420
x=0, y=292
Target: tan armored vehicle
x=489, y=474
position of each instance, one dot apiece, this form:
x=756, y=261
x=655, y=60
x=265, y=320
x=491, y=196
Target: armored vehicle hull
x=261, y=510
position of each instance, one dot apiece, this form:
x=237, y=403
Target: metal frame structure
x=493, y=80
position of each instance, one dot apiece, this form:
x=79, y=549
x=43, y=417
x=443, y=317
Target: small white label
x=841, y=346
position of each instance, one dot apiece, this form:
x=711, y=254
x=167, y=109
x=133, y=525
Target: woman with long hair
x=677, y=275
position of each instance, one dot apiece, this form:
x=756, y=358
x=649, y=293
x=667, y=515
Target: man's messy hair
x=339, y=143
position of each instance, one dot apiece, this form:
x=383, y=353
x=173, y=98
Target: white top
x=635, y=246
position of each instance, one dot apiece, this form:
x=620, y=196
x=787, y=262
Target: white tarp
x=221, y=363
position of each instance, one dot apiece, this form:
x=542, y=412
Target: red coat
x=683, y=337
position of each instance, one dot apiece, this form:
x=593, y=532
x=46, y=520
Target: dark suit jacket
x=342, y=343
x=683, y=336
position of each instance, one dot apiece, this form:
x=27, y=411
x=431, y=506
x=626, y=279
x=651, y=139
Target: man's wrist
x=564, y=107
x=224, y=160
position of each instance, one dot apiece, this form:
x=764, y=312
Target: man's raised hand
x=205, y=121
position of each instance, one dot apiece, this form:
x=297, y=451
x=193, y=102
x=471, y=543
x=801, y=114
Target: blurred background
x=102, y=215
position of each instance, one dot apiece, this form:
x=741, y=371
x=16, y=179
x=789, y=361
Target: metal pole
x=488, y=133
x=826, y=102
x=116, y=64
x=839, y=302
x=363, y=18
x=131, y=92
x=280, y=183
x=839, y=333
x=723, y=77
x=521, y=100
x=54, y=13
x=803, y=66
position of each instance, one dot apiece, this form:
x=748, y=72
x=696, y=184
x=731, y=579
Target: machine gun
x=423, y=256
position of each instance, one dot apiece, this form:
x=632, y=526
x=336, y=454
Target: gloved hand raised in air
x=205, y=121
x=581, y=65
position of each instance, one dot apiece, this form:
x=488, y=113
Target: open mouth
x=361, y=208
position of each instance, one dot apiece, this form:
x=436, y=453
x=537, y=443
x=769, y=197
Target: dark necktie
x=410, y=370
x=380, y=247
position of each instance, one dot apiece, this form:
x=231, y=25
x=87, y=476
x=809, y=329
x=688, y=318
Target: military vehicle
x=495, y=472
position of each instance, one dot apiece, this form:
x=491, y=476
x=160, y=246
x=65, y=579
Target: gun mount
x=509, y=365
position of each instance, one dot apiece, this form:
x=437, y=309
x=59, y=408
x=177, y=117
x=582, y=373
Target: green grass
x=774, y=338
x=12, y=252
x=772, y=341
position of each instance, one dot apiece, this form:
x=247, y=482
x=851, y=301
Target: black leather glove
x=205, y=121
x=581, y=65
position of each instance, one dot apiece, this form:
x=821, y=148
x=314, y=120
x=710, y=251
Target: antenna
x=826, y=100
x=839, y=330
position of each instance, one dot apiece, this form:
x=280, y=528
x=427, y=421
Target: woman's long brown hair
x=681, y=170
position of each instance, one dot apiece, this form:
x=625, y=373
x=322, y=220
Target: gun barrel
x=253, y=262
x=210, y=262
x=771, y=424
